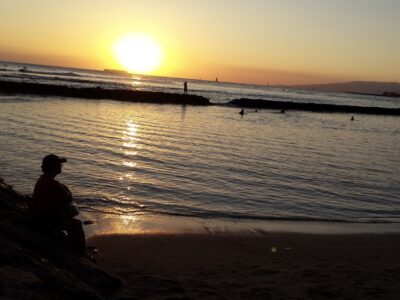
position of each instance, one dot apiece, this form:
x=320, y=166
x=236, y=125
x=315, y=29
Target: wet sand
x=263, y=266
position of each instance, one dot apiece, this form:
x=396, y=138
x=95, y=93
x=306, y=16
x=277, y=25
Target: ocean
x=205, y=165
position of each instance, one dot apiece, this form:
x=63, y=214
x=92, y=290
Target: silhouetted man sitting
x=51, y=205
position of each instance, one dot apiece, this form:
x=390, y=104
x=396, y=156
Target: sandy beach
x=253, y=266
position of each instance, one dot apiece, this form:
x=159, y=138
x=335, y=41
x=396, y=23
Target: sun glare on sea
x=138, y=53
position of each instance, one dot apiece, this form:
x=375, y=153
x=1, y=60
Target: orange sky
x=254, y=41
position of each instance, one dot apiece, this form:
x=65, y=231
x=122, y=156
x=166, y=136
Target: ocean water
x=217, y=92
x=209, y=163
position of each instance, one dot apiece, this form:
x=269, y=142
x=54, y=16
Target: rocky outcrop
x=315, y=107
x=100, y=93
x=34, y=265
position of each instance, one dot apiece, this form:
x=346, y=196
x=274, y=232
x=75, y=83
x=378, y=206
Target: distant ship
x=116, y=72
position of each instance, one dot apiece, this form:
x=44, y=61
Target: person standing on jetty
x=52, y=207
x=185, y=90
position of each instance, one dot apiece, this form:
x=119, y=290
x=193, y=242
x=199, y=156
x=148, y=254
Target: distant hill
x=364, y=87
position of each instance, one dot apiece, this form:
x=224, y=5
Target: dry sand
x=269, y=266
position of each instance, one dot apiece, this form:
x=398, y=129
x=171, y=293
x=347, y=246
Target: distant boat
x=23, y=69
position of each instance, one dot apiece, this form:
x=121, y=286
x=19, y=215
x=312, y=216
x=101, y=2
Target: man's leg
x=76, y=235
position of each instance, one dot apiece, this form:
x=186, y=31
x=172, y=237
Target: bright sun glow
x=138, y=53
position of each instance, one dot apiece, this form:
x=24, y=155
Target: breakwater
x=101, y=93
x=181, y=99
x=314, y=107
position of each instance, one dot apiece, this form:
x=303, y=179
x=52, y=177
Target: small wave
x=93, y=82
x=117, y=207
x=221, y=215
x=52, y=73
x=88, y=203
x=81, y=82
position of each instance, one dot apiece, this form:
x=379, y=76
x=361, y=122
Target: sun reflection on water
x=130, y=145
x=130, y=141
x=128, y=220
x=130, y=138
x=129, y=164
x=130, y=153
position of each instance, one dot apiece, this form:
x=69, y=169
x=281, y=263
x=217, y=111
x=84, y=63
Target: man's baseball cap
x=52, y=160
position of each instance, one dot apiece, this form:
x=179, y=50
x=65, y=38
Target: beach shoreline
x=272, y=265
x=191, y=265
x=106, y=224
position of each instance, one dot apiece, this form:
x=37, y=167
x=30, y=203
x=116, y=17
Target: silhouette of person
x=352, y=118
x=241, y=112
x=185, y=90
x=51, y=201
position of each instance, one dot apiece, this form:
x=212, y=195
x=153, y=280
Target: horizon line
x=199, y=79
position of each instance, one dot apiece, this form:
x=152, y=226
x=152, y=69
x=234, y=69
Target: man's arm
x=63, y=193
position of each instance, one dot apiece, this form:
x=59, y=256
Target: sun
x=138, y=53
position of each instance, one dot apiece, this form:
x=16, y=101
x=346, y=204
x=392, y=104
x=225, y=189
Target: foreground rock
x=315, y=107
x=35, y=266
x=100, y=93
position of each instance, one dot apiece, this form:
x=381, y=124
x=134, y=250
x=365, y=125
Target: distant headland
x=373, y=88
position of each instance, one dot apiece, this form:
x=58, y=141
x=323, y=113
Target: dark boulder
x=34, y=265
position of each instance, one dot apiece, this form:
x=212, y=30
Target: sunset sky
x=252, y=41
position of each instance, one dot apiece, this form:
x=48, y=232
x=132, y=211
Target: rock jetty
x=101, y=93
x=314, y=107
